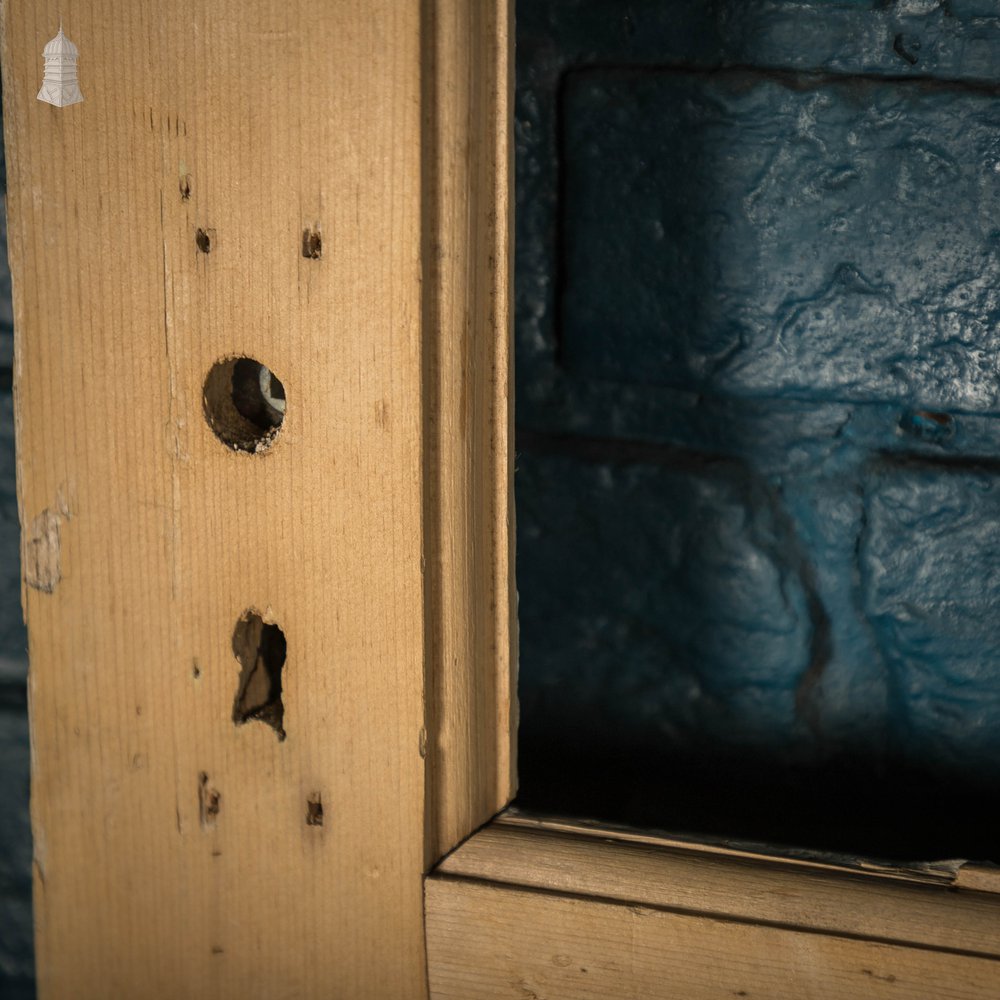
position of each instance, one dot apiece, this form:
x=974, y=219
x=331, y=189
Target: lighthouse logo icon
x=59, y=85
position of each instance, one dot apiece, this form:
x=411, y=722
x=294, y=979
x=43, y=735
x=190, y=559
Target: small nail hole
x=204, y=241
x=312, y=244
x=244, y=403
x=260, y=649
x=209, y=801
x=314, y=810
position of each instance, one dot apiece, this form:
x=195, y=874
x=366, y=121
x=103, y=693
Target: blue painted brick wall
x=758, y=391
x=16, y=946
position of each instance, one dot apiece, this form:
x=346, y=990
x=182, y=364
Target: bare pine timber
x=321, y=187
x=471, y=625
x=531, y=909
x=489, y=942
x=760, y=889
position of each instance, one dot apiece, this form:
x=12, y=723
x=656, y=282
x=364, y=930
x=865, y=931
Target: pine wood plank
x=941, y=872
x=471, y=629
x=668, y=875
x=318, y=152
x=489, y=941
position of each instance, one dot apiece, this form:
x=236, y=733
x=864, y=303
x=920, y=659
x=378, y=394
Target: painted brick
x=13, y=637
x=686, y=610
x=930, y=564
x=17, y=973
x=16, y=943
x=6, y=308
x=756, y=248
x=738, y=234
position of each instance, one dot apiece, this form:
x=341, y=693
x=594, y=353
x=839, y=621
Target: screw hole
x=314, y=810
x=260, y=648
x=209, y=801
x=244, y=403
x=312, y=244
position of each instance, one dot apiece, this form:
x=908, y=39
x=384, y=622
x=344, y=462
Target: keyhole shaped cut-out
x=260, y=649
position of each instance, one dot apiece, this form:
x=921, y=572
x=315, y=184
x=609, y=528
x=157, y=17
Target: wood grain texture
x=173, y=853
x=471, y=628
x=488, y=941
x=757, y=890
x=945, y=872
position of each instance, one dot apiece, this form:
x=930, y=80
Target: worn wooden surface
x=952, y=873
x=177, y=854
x=491, y=942
x=531, y=909
x=668, y=875
x=471, y=629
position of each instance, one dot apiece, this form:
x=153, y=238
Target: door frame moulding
x=561, y=908
x=374, y=275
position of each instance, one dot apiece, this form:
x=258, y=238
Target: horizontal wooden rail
x=545, y=910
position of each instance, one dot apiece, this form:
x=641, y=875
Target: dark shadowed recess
x=17, y=973
x=758, y=419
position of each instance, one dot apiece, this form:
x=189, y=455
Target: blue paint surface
x=17, y=972
x=767, y=226
x=758, y=408
x=930, y=570
x=710, y=585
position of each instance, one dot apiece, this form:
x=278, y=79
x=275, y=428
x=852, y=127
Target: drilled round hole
x=244, y=403
x=260, y=649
